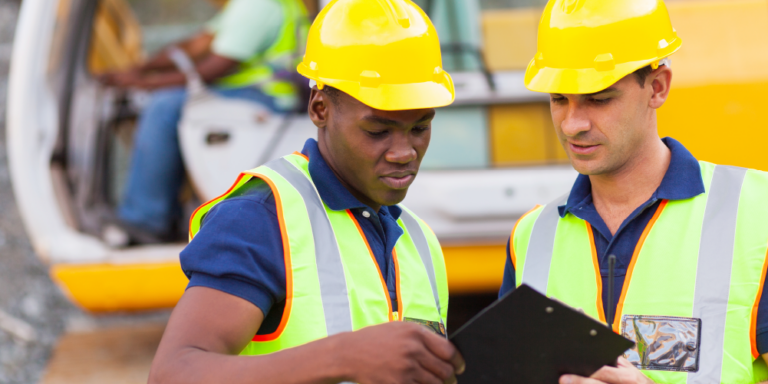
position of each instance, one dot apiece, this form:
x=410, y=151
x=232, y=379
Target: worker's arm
x=208, y=328
x=211, y=68
x=196, y=47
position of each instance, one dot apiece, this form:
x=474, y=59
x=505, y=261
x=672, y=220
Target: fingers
x=622, y=362
x=444, y=350
x=424, y=376
x=608, y=375
x=440, y=369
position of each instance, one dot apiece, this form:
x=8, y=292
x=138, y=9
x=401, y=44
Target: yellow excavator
x=494, y=153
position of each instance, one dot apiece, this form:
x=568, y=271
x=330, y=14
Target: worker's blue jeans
x=150, y=200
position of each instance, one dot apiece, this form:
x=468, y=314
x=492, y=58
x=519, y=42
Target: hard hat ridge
x=385, y=53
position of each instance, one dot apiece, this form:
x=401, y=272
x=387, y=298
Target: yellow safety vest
x=333, y=283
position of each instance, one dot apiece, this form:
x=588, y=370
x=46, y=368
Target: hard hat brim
x=583, y=80
x=395, y=97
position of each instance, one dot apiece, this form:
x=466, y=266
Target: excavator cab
x=494, y=153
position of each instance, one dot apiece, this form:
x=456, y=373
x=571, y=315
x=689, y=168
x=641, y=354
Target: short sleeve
x=239, y=250
x=508, y=284
x=247, y=27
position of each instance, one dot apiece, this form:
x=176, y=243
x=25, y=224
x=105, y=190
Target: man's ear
x=319, y=107
x=660, y=81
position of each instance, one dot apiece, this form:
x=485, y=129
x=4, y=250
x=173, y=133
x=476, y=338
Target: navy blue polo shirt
x=239, y=249
x=682, y=181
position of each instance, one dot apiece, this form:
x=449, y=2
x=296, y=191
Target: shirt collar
x=681, y=181
x=331, y=190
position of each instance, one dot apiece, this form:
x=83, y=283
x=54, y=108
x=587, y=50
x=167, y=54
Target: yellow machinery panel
x=523, y=134
x=720, y=80
x=473, y=269
x=509, y=38
x=111, y=287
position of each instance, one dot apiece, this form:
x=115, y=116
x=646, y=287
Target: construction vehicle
x=494, y=153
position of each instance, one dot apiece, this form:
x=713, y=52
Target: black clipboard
x=528, y=338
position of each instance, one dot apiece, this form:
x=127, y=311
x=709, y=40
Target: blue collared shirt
x=239, y=249
x=682, y=181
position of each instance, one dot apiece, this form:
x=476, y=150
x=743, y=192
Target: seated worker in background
x=247, y=51
x=689, y=237
x=310, y=252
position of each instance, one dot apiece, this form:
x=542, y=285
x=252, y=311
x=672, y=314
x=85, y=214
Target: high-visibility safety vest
x=269, y=70
x=333, y=283
x=703, y=257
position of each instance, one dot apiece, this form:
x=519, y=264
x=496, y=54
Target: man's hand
x=625, y=373
x=400, y=352
x=123, y=79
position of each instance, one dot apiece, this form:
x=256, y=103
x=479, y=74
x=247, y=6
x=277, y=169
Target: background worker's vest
x=702, y=257
x=333, y=283
x=272, y=69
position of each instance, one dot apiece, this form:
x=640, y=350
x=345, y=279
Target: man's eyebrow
x=385, y=121
x=607, y=90
x=381, y=120
x=428, y=116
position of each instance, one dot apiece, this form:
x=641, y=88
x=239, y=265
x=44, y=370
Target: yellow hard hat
x=384, y=53
x=585, y=46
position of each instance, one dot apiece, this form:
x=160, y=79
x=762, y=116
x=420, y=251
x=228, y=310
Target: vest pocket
x=663, y=343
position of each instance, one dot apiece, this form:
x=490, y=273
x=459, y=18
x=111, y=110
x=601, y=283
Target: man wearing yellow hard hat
x=686, y=239
x=308, y=266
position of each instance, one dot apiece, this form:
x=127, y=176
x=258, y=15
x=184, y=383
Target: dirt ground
x=27, y=296
x=33, y=312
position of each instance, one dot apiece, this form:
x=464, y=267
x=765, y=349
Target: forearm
x=162, y=80
x=196, y=47
x=159, y=62
x=318, y=362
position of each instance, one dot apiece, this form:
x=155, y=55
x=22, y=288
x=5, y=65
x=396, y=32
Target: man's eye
x=557, y=99
x=377, y=133
x=421, y=128
x=601, y=101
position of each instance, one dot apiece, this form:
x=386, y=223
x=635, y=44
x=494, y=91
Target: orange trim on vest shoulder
x=287, y=260
x=598, y=277
x=753, y=322
x=628, y=278
x=301, y=154
x=213, y=201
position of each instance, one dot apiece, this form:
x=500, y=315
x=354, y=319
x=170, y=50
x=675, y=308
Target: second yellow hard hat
x=384, y=53
x=585, y=46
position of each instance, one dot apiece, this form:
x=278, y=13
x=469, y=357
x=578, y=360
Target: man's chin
x=392, y=197
x=588, y=168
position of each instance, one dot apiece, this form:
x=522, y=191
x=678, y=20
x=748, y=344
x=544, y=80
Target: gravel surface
x=33, y=312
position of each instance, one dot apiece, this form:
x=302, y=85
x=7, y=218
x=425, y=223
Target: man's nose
x=576, y=120
x=401, y=151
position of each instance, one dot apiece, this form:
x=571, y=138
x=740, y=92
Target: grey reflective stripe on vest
x=713, y=276
x=539, y=255
x=330, y=271
x=422, y=246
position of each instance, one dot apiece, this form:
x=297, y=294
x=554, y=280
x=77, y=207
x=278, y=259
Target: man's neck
x=618, y=194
